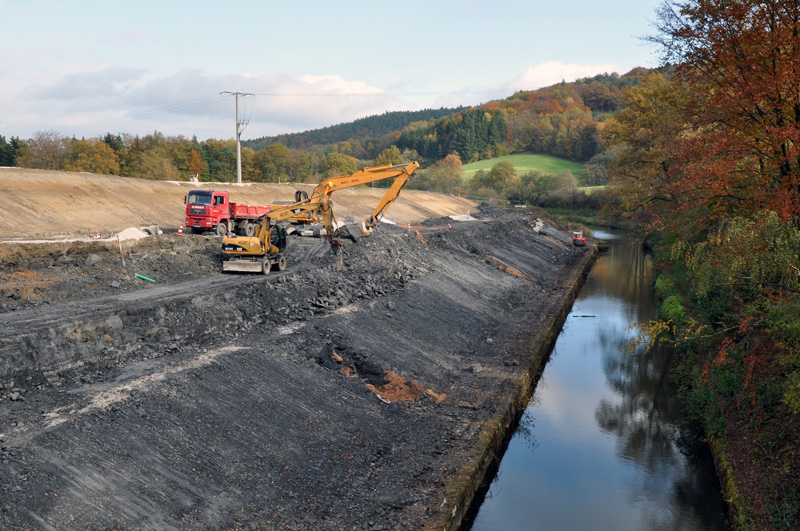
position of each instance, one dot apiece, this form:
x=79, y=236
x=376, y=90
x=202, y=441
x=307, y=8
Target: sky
x=85, y=68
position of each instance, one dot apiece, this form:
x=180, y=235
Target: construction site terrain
x=158, y=393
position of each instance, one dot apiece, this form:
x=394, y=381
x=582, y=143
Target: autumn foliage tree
x=646, y=135
x=151, y=165
x=501, y=176
x=446, y=174
x=196, y=163
x=338, y=164
x=741, y=62
x=92, y=155
x=46, y=150
x=273, y=161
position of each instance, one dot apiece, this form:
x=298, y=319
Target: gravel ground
x=314, y=398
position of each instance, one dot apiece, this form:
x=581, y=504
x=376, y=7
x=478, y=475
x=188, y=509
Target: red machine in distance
x=212, y=210
x=578, y=240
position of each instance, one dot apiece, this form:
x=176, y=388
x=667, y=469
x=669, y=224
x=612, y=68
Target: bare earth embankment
x=42, y=203
x=314, y=398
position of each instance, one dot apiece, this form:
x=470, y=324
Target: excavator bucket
x=355, y=231
x=349, y=232
x=366, y=231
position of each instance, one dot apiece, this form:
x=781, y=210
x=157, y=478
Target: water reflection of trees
x=646, y=415
x=644, y=419
x=524, y=430
x=625, y=271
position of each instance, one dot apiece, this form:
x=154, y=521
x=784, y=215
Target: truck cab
x=207, y=210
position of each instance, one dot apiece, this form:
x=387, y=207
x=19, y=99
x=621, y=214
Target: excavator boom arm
x=314, y=204
x=365, y=176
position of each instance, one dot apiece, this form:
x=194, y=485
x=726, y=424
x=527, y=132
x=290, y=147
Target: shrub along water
x=732, y=302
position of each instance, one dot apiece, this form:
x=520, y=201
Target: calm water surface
x=600, y=445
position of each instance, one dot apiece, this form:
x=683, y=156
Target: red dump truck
x=212, y=210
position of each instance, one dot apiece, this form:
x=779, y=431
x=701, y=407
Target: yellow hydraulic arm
x=365, y=176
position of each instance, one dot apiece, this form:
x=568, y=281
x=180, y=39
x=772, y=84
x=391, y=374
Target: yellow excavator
x=264, y=251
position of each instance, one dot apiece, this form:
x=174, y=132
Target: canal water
x=600, y=445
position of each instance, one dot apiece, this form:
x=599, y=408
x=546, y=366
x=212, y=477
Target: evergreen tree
x=6, y=153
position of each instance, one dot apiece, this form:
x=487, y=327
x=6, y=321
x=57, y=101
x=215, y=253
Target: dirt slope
x=44, y=204
x=313, y=398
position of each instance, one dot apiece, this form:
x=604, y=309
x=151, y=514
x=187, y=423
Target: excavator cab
x=278, y=237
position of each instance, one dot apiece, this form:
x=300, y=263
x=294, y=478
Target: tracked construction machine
x=264, y=251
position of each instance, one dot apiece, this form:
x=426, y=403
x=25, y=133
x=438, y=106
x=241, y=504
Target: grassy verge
x=526, y=162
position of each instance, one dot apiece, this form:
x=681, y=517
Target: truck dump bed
x=240, y=211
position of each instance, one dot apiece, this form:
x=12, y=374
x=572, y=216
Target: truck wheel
x=250, y=229
x=222, y=229
x=266, y=265
x=280, y=265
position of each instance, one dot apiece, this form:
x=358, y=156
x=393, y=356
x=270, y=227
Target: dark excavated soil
x=315, y=398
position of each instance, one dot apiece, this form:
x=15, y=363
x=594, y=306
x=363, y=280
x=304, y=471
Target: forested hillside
x=371, y=127
x=561, y=120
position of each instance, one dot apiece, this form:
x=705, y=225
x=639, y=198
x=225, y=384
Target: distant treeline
x=561, y=120
x=371, y=127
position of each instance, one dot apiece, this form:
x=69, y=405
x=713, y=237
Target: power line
x=421, y=93
x=170, y=109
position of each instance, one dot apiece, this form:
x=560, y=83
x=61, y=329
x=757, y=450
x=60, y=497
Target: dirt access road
x=314, y=398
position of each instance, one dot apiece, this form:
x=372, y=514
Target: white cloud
x=89, y=87
x=189, y=102
x=552, y=72
x=337, y=85
x=535, y=77
x=318, y=101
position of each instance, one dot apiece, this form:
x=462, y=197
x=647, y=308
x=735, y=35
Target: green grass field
x=526, y=162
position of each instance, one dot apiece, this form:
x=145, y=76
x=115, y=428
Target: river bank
x=738, y=349
x=499, y=430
